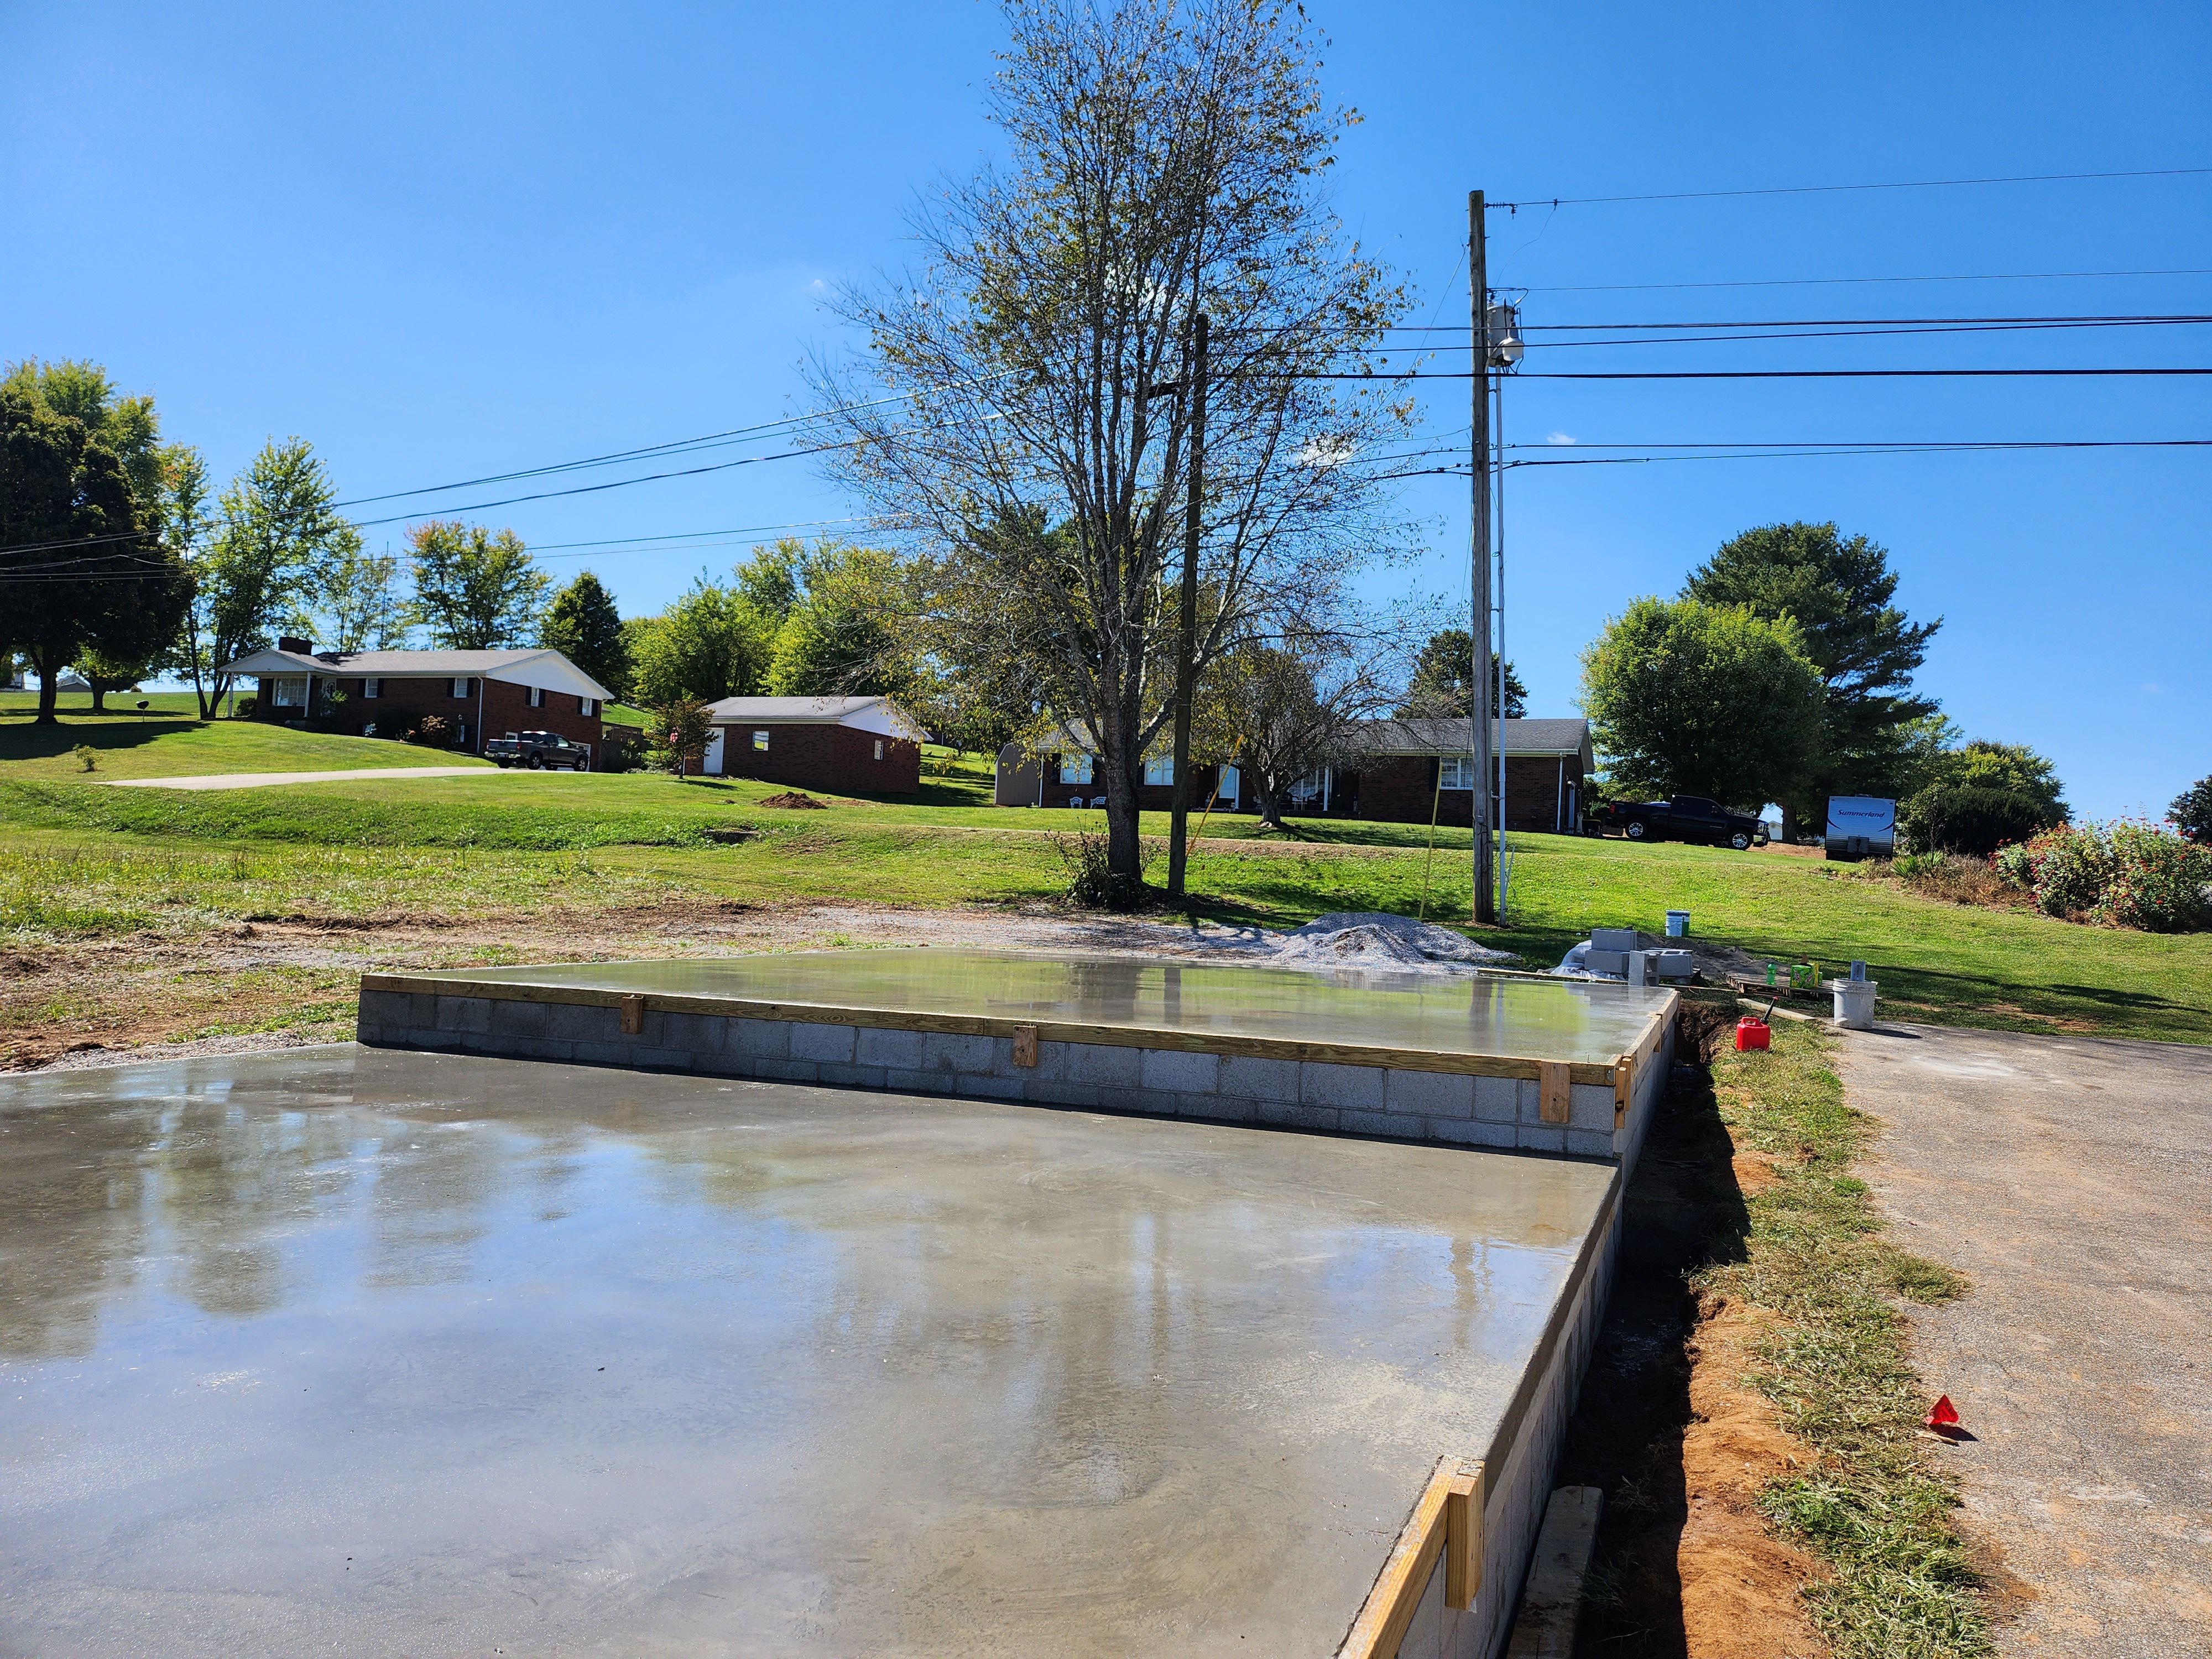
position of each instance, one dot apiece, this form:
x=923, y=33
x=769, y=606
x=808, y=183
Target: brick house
x=852, y=745
x=1400, y=764
x=1069, y=777
x=478, y=694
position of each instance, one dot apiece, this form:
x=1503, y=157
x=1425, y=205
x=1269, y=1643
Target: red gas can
x=1751, y=1033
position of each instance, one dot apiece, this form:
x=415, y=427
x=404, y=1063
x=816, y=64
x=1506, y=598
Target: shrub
x=2192, y=812
x=1091, y=882
x=2158, y=881
x=2014, y=866
x=246, y=708
x=2068, y=868
x=431, y=731
x=87, y=756
x=1948, y=817
x=1954, y=878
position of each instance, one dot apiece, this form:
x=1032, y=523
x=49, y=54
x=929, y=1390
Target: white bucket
x=1854, y=1003
x=1677, y=924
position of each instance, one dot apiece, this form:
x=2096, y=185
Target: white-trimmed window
x=1075, y=768
x=1306, y=791
x=588, y=706
x=1159, y=769
x=1230, y=782
x=287, y=694
x=537, y=696
x=760, y=742
x=464, y=687
x=372, y=687
x=879, y=748
x=1456, y=772
x=460, y=734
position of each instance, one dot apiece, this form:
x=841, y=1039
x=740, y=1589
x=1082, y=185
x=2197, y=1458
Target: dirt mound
x=1373, y=938
x=797, y=800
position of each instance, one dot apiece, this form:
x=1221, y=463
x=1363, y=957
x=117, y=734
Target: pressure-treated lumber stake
x=1555, y=1092
x=1025, y=1045
x=633, y=1015
x=1463, y=1537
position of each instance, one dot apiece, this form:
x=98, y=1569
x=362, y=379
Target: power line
x=1829, y=190
x=1733, y=373
x=614, y=483
x=1844, y=281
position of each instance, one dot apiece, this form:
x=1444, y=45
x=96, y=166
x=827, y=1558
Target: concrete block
x=901, y=1081
x=464, y=1013
x=662, y=1059
x=1539, y=1138
x=1252, y=1079
x=1613, y=939
x=942, y=1051
x=831, y=1044
x=695, y=1034
x=537, y=1048
x=874, y=1046
x=849, y=1077
x=1473, y=1132
x=1293, y=1115
x=582, y=1025
x=1102, y=1065
x=760, y=1039
x=786, y=1071
x=521, y=1019
x=987, y=1088
x=1590, y=1107
x=1358, y=1088
x=1528, y=1100
x=1053, y=1091
x=1377, y=1123
x=1589, y=1143
x=1496, y=1099
x=1428, y=1094
x=604, y=1053
x=1173, y=1072
x=1213, y=1106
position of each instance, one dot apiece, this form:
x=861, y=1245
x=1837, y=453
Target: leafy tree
x=583, y=625
x=2192, y=812
x=79, y=390
x=2011, y=767
x=1838, y=591
x=275, y=522
x=1281, y=715
x=678, y=730
x=837, y=637
x=352, y=598
x=1443, y=672
x=475, y=590
x=80, y=570
x=709, y=644
x=1694, y=699
x=770, y=579
x=1162, y=160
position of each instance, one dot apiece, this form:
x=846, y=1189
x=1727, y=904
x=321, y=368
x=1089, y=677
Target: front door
x=711, y=760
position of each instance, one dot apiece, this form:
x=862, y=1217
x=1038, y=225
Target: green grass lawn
x=168, y=739
x=80, y=860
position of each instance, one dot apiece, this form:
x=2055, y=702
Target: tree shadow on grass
x=1684, y=1211
x=115, y=729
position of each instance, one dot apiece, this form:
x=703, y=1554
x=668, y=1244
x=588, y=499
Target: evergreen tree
x=1445, y=669
x=583, y=625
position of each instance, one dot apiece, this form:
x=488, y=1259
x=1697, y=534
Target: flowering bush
x=2128, y=874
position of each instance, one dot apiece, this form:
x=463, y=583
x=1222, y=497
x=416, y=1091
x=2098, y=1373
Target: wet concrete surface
x=2071, y=1179
x=1486, y=1014
x=397, y=1353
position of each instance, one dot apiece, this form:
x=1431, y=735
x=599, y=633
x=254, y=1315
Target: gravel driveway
x=2071, y=1179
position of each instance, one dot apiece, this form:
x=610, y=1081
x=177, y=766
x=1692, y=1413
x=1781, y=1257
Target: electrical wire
x=1831, y=189
x=1847, y=282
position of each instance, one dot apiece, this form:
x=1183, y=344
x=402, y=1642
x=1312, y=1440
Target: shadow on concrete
x=1685, y=1210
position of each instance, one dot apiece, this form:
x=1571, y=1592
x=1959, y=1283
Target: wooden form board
x=1446, y=1521
x=1602, y=1072
x=1630, y=1066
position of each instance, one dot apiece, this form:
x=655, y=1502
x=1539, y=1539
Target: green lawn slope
x=167, y=740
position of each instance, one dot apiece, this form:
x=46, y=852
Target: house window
x=588, y=706
x=1230, y=782
x=1159, y=769
x=460, y=734
x=537, y=696
x=464, y=688
x=760, y=742
x=372, y=688
x=287, y=694
x=1305, y=791
x=1456, y=772
x=1075, y=768
x=879, y=748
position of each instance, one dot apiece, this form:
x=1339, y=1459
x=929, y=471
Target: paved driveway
x=264, y=779
x=2071, y=1179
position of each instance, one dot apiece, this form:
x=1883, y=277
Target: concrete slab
x=2071, y=1179
x=388, y=1352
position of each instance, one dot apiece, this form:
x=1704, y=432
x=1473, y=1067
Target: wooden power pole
x=1187, y=636
x=1485, y=907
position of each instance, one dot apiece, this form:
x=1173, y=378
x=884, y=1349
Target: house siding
x=816, y=756
x=495, y=706
x=1402, y=789
x=1151, y=797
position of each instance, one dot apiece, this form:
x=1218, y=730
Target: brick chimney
x=296, y=645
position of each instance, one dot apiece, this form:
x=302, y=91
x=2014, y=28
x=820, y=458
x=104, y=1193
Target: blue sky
x=445, y=242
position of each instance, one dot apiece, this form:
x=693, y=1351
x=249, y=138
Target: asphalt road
x=2071, y=1179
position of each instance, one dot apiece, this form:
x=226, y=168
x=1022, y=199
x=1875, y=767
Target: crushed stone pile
x=1369, y=938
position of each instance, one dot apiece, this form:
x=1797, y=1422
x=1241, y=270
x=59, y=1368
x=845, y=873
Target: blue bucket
x=1677, y=924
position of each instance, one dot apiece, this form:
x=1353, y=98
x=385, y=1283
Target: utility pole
x=1187, y=637
x=1485, y=907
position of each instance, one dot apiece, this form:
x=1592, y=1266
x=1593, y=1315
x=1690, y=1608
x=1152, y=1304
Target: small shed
x=852, y=745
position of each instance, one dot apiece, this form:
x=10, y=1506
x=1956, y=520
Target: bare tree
x=1282, y=713
x=1163, y=157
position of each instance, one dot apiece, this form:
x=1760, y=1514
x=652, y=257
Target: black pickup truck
x=1683, y=817
x=538, y=750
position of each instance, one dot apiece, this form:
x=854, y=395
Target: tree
x=679, y=728
x=1280, y=714
x=2192, y=812
x=838, y=636
x=583, y=625
x=82, y=571
x=1161, y=159
x=275, y=521
x=2011, y=767
x=709, y=644
x=1838, y=591
x=475, y=590
x=80, y=390
x=1444, y=671
x=1694, y=699
x=351, y=597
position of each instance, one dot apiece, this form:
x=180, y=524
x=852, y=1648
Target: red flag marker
x=1945, y=1417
